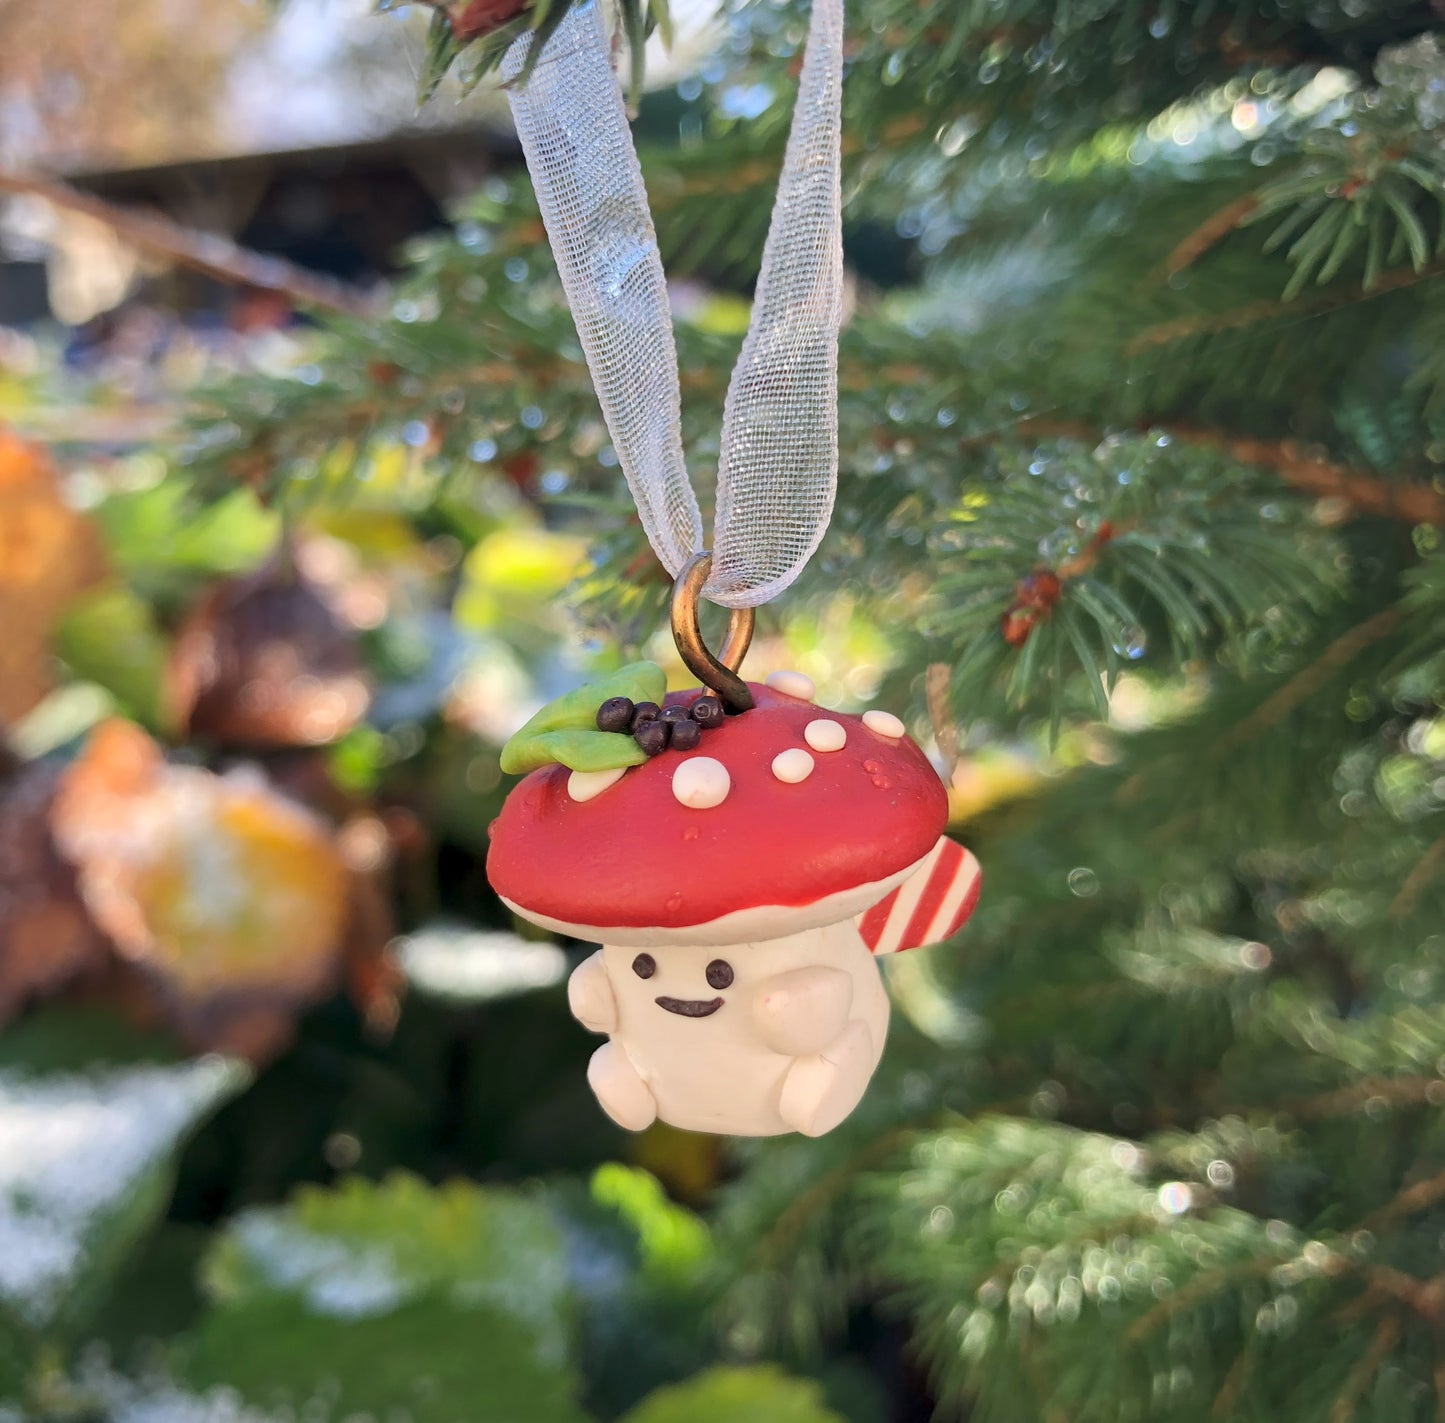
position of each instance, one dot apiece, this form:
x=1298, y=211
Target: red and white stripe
x=929, y=906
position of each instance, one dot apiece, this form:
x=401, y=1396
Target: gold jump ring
x=718, y=673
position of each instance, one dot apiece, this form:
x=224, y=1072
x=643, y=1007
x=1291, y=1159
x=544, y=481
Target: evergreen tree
x=1148, y=380
x=1143, y=471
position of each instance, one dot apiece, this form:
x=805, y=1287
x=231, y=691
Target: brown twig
x=1419, y=1196
x=1305, y=683
x=1231, y=1388
x=1426, y=868
x=945, y=731
x=1393, y=1091
x=1387, y=1335
x=1166, y=333
x=204, y=252
x=1293, y=463
x=1314, y=474
x=1200, y=1287
x=1213, y=229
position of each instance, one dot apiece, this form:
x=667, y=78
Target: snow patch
x=470, y=965
x=334, y=1278
x=72, y=1149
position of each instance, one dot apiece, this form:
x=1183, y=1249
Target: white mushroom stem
x=786, y=1043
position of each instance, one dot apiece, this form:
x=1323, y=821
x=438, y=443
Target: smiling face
x=719, y=974
x=687, y=1020
x=689, y=995
x=696, y=993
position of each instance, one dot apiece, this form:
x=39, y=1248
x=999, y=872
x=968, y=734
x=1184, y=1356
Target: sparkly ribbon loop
x=778, y=459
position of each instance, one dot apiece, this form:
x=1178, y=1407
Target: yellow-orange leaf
x=216, y=884
x=48, y=554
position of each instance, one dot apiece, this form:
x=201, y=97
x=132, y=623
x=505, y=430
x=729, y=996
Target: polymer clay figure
x=741, y=882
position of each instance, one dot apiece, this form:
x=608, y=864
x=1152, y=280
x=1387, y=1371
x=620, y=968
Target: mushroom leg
x=820, y=1090
x=618, y=1086
x=589, y=996
x=803, y=1011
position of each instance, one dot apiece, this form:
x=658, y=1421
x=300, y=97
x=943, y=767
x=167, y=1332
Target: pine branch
x=1298, y=467
x=1321, y=671
x=1185, y=328
x=1360, y=187
x=476, y=34
x=1314, y=474
x=781, y=1237
x=1196, y=1292
x=1132, y=535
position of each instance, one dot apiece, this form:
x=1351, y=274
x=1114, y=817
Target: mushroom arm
x=804, y=1010
x=589, y=995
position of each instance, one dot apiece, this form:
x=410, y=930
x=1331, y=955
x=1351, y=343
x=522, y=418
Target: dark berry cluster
x=655, y=728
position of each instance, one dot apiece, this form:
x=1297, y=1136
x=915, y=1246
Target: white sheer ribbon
x=778, y=461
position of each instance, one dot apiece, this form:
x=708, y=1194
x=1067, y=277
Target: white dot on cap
x=792, y=765
x=883, y=722
x=824, y=735
x=586, y=785
x=793, y=684
x=701, y=782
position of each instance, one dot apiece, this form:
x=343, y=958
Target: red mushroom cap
x=634, y=858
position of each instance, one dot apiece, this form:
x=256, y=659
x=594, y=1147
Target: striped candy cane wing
x=932, y=904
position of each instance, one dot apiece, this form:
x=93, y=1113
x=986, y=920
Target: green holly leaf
x=565, y=731
x=578, y=751
x=641, y=681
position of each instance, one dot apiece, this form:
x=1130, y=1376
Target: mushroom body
x=740, y=891
x=788, y=1045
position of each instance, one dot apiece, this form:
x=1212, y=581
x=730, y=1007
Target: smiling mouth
x=690, y=1007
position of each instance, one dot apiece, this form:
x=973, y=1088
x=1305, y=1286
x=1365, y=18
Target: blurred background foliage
x=306, y=504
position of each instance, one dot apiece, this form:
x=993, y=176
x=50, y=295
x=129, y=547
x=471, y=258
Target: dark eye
x=644, y=966
x=719, y=973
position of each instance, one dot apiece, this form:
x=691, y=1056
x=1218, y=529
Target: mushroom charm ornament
x=740, y=854
x=740, y=889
